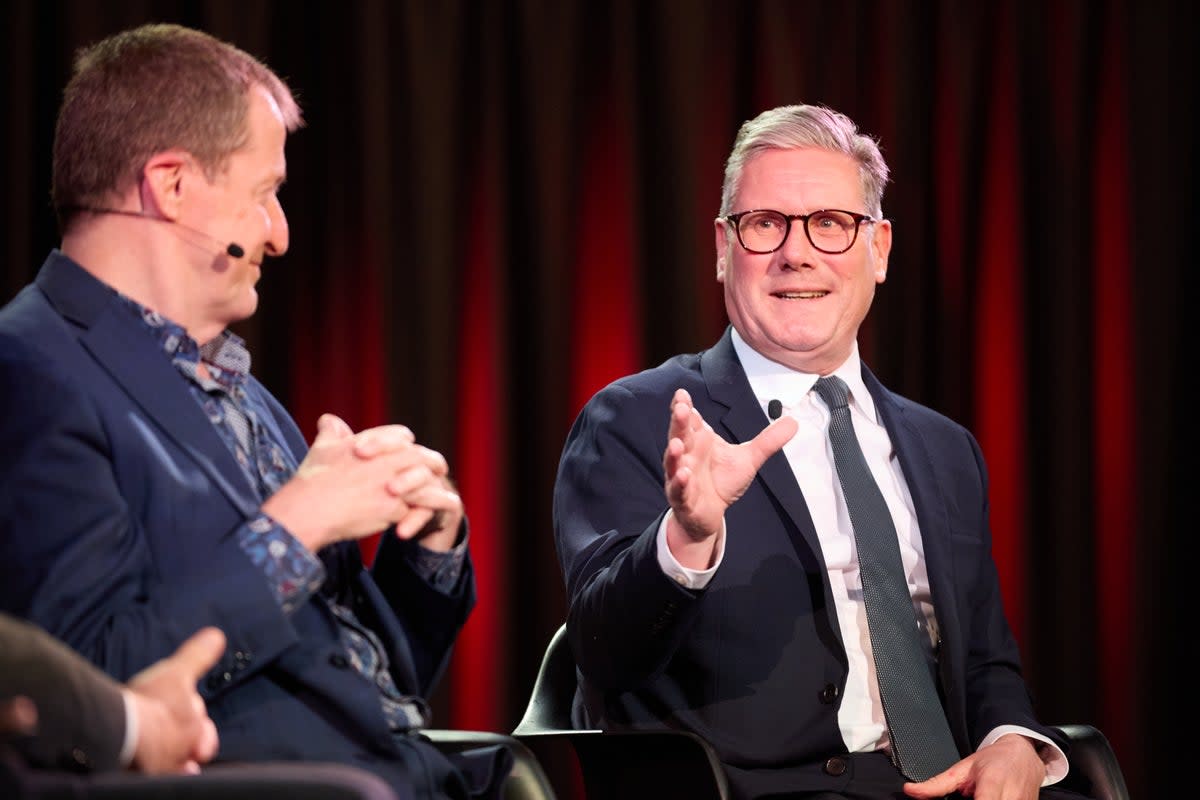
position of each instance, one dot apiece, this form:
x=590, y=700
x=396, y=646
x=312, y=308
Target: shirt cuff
x=129, y=745
x=441, y=570
x=685, y=577
x=293, y=572
x=1052, y=756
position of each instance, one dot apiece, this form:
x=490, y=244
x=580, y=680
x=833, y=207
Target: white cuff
x=1054, y=758
x=685, y=577
x=129, y=746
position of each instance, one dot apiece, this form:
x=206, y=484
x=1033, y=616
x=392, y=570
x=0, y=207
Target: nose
x=277, y=229
x=797, y=251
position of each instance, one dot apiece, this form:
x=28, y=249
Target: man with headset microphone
x=153, y=486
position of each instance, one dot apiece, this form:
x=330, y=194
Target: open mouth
x=799, y=295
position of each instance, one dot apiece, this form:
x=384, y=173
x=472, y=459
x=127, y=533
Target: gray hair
x=797, y=126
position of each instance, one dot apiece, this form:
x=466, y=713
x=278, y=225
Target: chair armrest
x=276, y=780
x=1095, y=770
x=617, y=765
x=527, y=781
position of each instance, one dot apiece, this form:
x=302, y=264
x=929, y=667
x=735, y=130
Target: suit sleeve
x=626, y=617
x=76, y=557
x=995, y=690
x=81, y=714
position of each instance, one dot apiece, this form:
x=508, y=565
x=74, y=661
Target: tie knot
x=833, y=391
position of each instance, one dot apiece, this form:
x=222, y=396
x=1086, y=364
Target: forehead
x=801, y=179
x=266, y=128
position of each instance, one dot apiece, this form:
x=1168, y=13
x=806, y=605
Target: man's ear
x=165, y=177
x=881, y=247
x=721, y=232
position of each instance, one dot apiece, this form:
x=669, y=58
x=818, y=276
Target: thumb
x=333, y=426
x=771, y=439
x=934, y=788
x=200, y=651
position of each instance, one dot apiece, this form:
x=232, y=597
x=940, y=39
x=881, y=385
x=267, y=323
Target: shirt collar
x=226, y=355
x=771, y=380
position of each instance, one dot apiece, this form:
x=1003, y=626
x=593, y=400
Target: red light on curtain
x=479, y=671
x=1113, y=438
x=606, y=331
x=999, y=341
x=338, y=361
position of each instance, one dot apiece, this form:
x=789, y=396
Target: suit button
x=835, y=766
x=338, y=660
x=829, y=694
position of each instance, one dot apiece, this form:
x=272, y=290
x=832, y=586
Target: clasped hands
x=352, y=485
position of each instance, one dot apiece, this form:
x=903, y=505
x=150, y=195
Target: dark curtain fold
x=497, y=207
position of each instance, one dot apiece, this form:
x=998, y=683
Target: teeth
x=800, y=295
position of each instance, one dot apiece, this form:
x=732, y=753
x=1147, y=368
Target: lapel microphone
x=233, y=249
x=774, y=409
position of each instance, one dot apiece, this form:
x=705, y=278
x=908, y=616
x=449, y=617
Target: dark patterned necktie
x=922, y=745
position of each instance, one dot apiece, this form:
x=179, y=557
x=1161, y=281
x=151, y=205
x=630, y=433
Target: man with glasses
x=728, y=521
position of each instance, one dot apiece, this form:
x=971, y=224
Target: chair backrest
x=549, y=707
x=611, y=765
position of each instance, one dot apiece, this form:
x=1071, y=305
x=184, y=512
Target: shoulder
x=33, y=380
x=939, y=432
x=656, y=384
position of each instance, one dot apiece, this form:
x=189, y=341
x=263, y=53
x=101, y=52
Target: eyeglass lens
x=829, y=231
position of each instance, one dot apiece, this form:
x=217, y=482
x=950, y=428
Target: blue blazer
x=118, y=509
x=754, y=663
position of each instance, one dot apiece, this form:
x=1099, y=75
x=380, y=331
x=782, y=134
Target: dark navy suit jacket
x=754, y=663
x=118, y=509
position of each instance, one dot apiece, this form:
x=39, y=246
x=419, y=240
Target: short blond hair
x=797, y=126
x=149, y=89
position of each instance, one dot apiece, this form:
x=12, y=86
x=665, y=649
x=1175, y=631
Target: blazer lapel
x=743, y=419
x=928, y=501
x=144, y=373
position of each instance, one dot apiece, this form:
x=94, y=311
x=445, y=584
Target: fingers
x=438, y=504
x=414, y=522
x=200, y=652
x=333, y=426
x=207, y=743
x=771, y=440
x=383, y=439
x=419, y=467
x=938, y=786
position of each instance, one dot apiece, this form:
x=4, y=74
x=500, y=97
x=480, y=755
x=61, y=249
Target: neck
x=139, y=264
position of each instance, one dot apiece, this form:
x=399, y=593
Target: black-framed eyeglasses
x=830, y=230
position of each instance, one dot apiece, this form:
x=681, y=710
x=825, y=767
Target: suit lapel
x=144, y=373
x=743, y=419
x=928, y=500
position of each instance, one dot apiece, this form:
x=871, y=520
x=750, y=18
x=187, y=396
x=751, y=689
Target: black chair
x=280, y=780
x=623, y=765
x=527, y=781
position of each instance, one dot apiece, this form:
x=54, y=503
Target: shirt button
x=835, y=766
x=829, y=694
x=681, y=579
